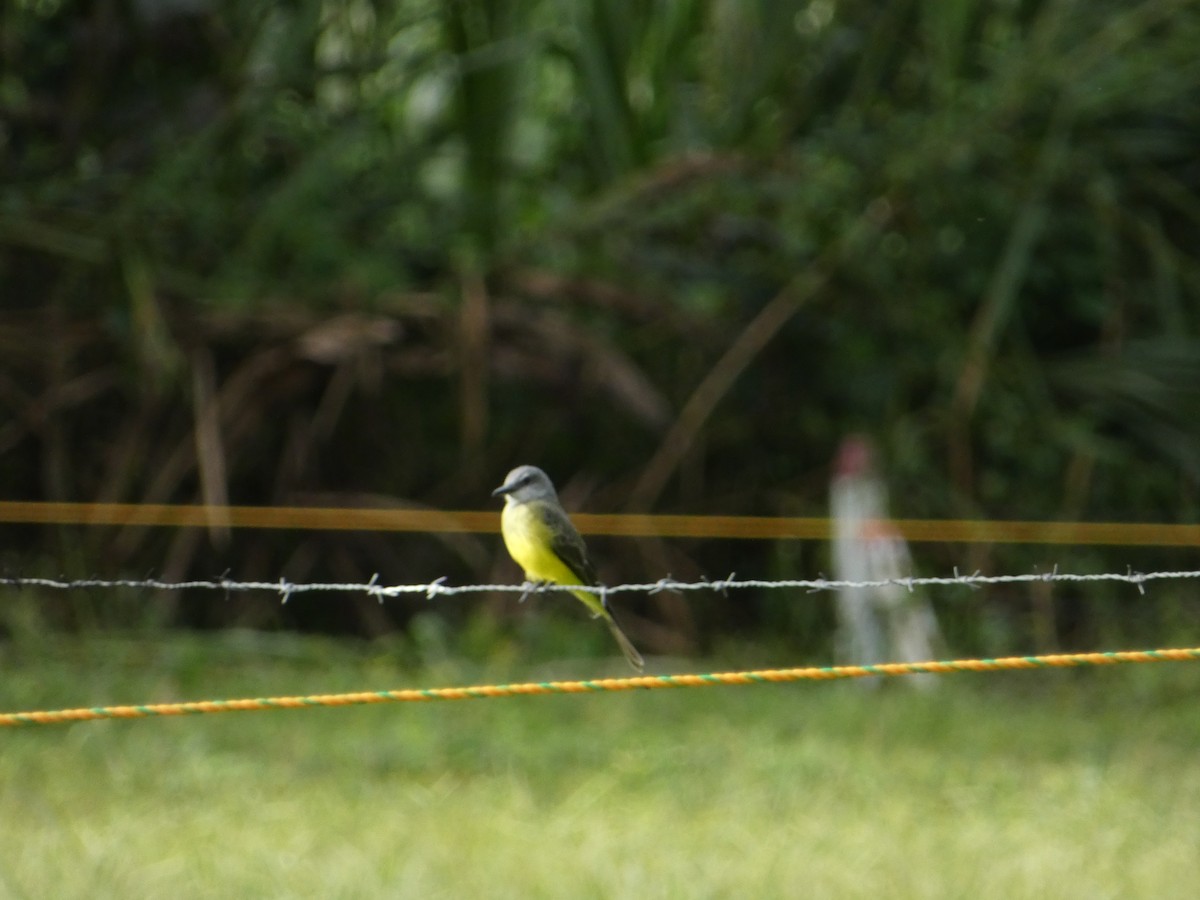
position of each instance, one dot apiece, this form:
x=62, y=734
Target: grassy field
x=1063, y=784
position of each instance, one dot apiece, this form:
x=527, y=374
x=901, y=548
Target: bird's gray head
x=526, y=483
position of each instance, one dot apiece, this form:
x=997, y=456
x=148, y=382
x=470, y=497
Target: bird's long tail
x=630, y=651
x=600, y=610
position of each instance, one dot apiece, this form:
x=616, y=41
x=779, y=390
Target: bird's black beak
x=502, y=490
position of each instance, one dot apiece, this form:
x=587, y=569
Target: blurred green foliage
x=375, y=252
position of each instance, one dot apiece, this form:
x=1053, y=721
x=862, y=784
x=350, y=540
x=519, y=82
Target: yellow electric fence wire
x=645, y=682
x=679, y=526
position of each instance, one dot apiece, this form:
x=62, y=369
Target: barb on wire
x=438, y=588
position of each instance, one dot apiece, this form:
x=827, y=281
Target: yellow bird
x=542, y=541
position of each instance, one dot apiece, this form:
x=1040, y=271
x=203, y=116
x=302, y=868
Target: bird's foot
x=530, y=587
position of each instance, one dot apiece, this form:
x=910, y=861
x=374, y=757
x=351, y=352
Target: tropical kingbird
x=542, y=541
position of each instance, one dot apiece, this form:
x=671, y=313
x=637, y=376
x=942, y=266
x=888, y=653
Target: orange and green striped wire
x=644, y=682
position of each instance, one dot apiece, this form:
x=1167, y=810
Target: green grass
x=1048, y=784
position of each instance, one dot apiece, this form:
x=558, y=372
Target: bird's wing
x=568, y=545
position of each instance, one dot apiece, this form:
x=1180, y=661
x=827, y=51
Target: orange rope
x=645, y=682
x=626, y=525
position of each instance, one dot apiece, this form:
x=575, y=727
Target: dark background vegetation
x=377, y=253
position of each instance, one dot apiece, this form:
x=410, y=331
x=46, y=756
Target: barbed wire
x=439, y=588
x=640, y=682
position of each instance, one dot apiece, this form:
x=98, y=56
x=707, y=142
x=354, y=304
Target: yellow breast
x=529, y=542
